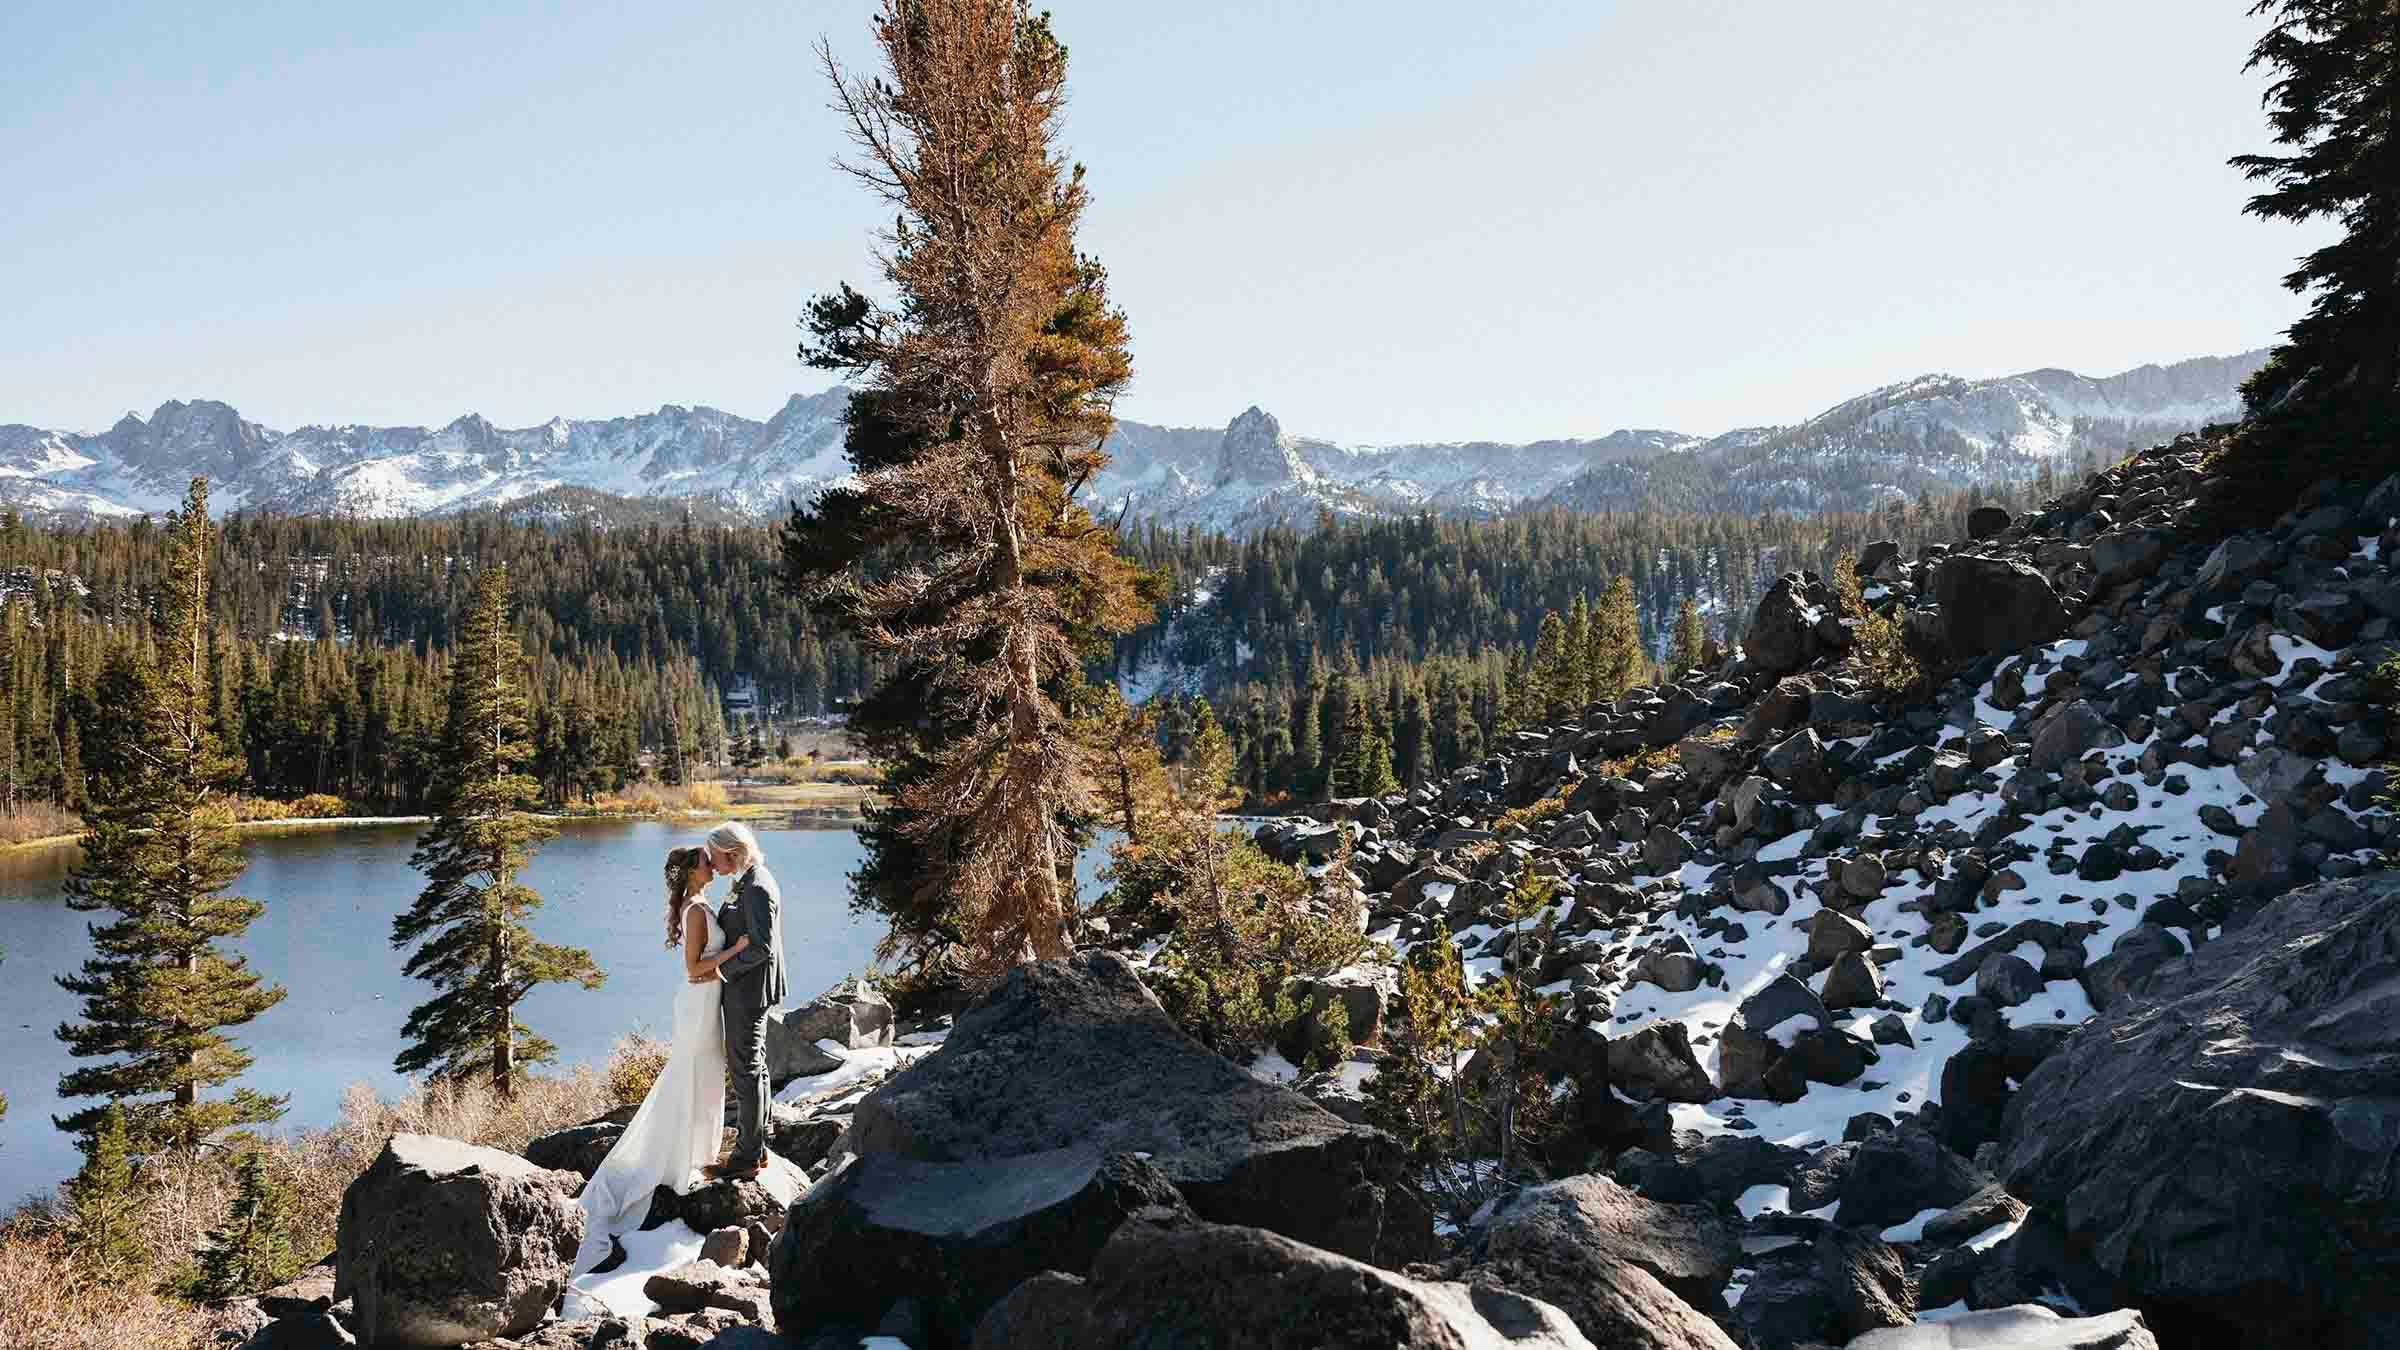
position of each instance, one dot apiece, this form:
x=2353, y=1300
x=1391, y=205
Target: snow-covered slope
x=1929, y=432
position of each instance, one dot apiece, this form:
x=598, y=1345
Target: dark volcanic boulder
x=729, y=1203
x=1986, y=521
x=1994, y=605
x=954, y=1236
x=1077, y=1053
x=2228, y=1143
x=1841, y=1286
x=1657, y=1062
x=441, y=1243
x=1900, y=1173
x=1790, y=630
x=580, y=1148
x=1591, y=1222
x=1218, y=1286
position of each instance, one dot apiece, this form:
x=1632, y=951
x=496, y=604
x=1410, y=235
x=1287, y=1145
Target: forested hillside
x=638, y=629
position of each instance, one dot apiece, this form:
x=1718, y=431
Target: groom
x=753, y=980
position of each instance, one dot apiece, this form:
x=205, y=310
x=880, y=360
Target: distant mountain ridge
x=1933, y=433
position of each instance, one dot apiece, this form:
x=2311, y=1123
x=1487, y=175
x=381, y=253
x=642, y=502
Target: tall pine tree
x=1690, y=640
x=2328, y=401
x=990, y=389
x=471, y=918
x=159, y=853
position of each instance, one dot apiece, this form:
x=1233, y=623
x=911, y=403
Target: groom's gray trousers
x=745, y=1012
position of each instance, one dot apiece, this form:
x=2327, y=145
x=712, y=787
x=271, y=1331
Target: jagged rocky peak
x=1255, y=450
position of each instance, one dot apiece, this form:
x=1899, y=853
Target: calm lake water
x=330, y=895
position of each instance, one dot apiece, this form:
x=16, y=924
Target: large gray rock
x=2069, y=734
x=1223, y=1286
x=1591, y=1221
x=1657, y=1062
x=1798, y=621
x=852, y=1016
x=1797, y=764
x=728, y=1202
x=580, y=1148
x=1900, y=1173
x=954, y=1236
x=790, y=1051
x=440, y=1243
x=1994, y=605
x=2227, y=1143
x=2128, y=555
x=1077, y=1053
x=1840, y=1286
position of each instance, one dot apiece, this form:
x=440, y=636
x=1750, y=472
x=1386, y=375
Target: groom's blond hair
x=735, y=838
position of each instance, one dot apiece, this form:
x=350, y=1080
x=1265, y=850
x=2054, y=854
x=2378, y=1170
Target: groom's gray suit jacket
x=755, y=911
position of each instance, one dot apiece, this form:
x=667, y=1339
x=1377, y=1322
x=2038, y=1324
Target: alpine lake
x=331, y=893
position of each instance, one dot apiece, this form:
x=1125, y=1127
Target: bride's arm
x=696, y=967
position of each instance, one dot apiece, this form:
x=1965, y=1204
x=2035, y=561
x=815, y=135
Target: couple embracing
x=733, y=972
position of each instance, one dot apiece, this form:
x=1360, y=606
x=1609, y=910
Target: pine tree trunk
x=1039, y=932
x=503, y=1017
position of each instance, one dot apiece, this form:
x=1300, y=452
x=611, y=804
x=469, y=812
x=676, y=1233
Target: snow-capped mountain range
x=1929, y=433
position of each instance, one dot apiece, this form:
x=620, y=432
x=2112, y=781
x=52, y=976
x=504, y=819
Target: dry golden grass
x=47, y=1302
x=51, y=1302
x=657, y=799
x=314, y=806
x=28, y=821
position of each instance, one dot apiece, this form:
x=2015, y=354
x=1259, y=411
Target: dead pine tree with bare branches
x=959, y=554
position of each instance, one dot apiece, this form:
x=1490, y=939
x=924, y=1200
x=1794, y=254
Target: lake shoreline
x=827, y=806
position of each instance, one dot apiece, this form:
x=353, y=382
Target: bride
x=680, y=1123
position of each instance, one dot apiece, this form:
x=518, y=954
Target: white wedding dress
x=677, y=1129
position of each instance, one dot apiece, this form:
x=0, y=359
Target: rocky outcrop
x=1994, y=604
x=730, y=1202
x=580, y=1148
x=957, y=1237
x=441, y=1243
x=1797, y=623
x=1077, y=1054
x=1558, y=1240
x=1211, y=1285
x=2225, y=1144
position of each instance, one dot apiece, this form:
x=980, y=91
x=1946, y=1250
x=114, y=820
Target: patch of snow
x=1913, y=1230
x=1274, y=1068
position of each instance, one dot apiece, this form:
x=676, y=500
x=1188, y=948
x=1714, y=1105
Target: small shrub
x=1877, y=643
x=1532, y=814
x=1461, y=1085
x=1638, y=765
x=634, y=1064
x=253, y=1250
x=103, y=1204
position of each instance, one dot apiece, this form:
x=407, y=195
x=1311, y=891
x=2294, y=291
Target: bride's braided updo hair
x=681, y=863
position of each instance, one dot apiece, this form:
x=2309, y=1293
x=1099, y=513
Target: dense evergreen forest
x=334, y=633
x=1435, y=629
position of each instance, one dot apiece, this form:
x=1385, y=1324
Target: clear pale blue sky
x=1382, y=220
